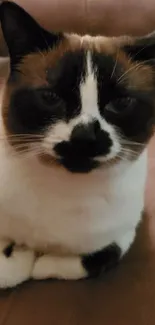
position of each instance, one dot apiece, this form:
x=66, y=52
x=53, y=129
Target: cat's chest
x=52, y=207
x=58, y=197
x=63, y=215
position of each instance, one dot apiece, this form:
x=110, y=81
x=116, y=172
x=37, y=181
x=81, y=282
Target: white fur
x=16, y=268
x=62, y=131
x=45, y=207
x=58, y=267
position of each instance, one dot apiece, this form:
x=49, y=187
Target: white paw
x=48, y=266
x=16, y=267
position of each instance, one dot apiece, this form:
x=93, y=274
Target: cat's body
x=75, y=119
x=88, y=211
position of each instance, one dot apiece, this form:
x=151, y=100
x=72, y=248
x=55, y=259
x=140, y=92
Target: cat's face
x=81, y=101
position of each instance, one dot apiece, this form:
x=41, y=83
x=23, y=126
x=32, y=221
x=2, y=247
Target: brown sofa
x=125, y=296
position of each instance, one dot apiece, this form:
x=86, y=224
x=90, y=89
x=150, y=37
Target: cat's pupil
x=128, y=102
x=121, y=104
x=49, y=96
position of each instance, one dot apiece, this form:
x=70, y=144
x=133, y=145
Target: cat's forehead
x=72, y=47
x=84, y=54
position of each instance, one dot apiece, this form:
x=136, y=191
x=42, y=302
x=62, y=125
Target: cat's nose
x=87, y=141
x=85, y=133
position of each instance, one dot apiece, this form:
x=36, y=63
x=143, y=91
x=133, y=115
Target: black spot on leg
x=101, y=261
x=8, y=250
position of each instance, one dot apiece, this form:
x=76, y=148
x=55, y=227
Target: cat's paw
x=67, y=268
x=16, y=264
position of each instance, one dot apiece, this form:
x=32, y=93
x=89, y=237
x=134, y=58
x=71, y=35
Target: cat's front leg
x=106, y=258
x=16, y=264
x=78, y=267
x=58, y=267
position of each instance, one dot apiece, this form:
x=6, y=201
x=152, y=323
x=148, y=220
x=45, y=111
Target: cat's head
x=82, y=101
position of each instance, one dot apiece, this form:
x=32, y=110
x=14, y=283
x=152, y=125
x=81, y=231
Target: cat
x=77, y=113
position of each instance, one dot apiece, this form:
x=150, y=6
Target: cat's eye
x=49, y=97
x=122, y=105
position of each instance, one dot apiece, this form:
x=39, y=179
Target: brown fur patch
x=32, y=71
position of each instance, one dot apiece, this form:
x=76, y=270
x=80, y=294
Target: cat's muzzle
x=86, y=143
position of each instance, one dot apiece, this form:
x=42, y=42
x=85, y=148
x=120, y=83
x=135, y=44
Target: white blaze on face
x=89, y=93
x=61, y=131
x=90, y=109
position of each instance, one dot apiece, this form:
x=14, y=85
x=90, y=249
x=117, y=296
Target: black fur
x=65, y=80
x=87, y=142
x=22, y=34
x=143, y=49
x=107, y=77
x=78, y=164
x=32, y=109
x=8, y=250
x=135, y=119
x=101, y=261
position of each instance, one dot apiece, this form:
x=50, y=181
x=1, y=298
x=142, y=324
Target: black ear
x=142, y=49
x=22, y=33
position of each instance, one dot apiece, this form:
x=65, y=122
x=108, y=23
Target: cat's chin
x=79, y=165
x=74, y=165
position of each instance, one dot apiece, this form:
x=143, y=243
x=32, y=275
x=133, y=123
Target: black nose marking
x=85, y=132
x=87, y=141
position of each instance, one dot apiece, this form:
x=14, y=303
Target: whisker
x=115, y=65
x=23, y=135
x=24, y=152
x=41, y=53
x=45, y=40
x=22, y=148
x=18, y=141
x=135, y=67
x=132, y=143
x=51, y=141
x=142, y=49
x=19, y=71
x=129, y=154
x=122, y=157
x=128, y=151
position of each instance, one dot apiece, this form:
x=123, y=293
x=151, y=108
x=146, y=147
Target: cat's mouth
x=79, y=165
x=76, y=164
x=72, y=164
x=79, y=158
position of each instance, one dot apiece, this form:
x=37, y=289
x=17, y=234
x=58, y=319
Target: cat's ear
x=22, y=33
x=142, y=49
